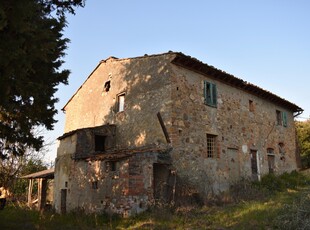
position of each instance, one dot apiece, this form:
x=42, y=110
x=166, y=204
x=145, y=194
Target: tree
x=32, y=48
x=14, y=166
x=303, y=133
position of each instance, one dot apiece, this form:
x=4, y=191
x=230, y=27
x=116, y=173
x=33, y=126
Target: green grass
x=276, y=203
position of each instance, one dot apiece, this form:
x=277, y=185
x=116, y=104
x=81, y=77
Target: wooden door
x=233, y=165
x=254, y=166
x=63, y=201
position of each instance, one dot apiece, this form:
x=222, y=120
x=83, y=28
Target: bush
x=295, y=215
x=285, y=181
x=245, y=189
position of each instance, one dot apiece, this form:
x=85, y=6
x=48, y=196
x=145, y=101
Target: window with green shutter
x=281, y=118
x=284, y=119
x=210, y=94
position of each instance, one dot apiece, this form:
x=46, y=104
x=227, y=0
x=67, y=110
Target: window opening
x=94, y=184
x=271, y=163
x=270, y=151
x=100, y=143
x=284, y=119
x=110, y=166
x=107, y=86
x=210, y=94
x=211, y=146
x=251, y=106
x=281, y=118
x=120, y=102
x=254, y=166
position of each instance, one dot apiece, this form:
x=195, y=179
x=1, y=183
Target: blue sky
x=264, y=42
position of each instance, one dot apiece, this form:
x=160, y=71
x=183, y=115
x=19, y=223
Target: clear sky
x=264, y=42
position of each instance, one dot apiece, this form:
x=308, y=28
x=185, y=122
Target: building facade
x=138, y=129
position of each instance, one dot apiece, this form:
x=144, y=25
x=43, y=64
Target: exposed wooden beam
x=162, y=124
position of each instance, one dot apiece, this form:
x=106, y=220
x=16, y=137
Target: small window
x=107, y=86
x=110, y=166
x=251, y=106
x=211, y=146
x=210, y=94
x=270, y=151
x=94, y=184
x=281, y=118
x=284, y=119
x=121, y=102
x=100, y=143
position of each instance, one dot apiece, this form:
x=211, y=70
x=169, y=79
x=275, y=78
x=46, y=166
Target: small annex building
x=45, y=182
x=140, y=130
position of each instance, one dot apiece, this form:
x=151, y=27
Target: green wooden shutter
x=210, y=93
x=284, y=119
x=214, y=95
x=205, y=91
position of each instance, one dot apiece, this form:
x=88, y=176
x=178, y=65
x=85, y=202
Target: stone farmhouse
x=144, y=130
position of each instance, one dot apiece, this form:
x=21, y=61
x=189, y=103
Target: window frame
x=211, y=145
x=251, y=106
x=110, y=166
x=120, y=103
x=281, y=117
x=100, y=142
x=94, y=184
x=210, y=94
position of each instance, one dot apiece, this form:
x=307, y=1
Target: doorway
x=161, y=174
x=63, y=201
x=254, y=165
x=233, y=165
x=271, y=163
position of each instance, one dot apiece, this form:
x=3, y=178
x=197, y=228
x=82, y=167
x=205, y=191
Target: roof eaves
x=48, y=173
x=77, y=130
x=205, y=69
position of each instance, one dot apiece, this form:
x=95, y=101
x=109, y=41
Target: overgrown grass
x=275, y=203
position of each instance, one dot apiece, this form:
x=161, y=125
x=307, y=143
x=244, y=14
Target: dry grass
x=276, y=203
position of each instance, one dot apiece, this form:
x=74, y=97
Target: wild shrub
x=272, y=183
x=295, y=215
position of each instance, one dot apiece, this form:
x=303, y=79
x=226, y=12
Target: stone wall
x=238, y=131
x=241, y=122
x=146, y=84
x=125, y=188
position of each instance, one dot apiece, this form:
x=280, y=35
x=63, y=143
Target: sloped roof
x=195, y=65
x=219, y=75
x=87, y=128
x=48, y=174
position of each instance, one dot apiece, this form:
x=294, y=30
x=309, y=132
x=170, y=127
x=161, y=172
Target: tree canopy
x=303, y=133
x=32, y=48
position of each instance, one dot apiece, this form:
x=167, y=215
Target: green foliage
x=303, y=134
x=295, y=215
x=280, y=183
x=19, y=188
x=32, y=48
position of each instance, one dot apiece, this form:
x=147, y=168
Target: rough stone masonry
x=117, y=156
